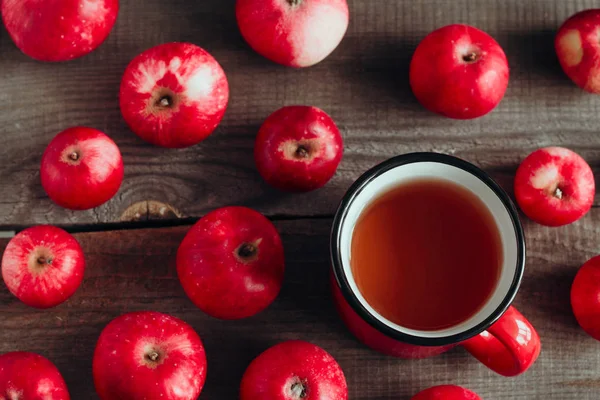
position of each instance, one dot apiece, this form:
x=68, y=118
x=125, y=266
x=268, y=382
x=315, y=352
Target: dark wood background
x=363, y=85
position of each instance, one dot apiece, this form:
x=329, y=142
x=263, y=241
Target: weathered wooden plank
x=363, y=85
x=134, y=270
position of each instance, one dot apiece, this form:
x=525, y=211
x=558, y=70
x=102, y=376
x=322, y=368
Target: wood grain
x=131, y=270
x=363, y=85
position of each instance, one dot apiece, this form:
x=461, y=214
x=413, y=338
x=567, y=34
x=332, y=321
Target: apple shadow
x=550, y=293
x=223, y=370
x=81, y=349
x=532, y=57
x=379, y=69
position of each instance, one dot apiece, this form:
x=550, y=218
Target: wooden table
x=130, y=242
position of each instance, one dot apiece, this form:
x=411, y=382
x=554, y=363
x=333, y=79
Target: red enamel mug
x=497, y=335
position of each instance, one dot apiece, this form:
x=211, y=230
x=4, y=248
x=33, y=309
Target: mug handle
x=509, y=347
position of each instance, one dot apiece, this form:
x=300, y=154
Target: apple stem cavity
x=294, y=3
x=247, y=251
x=470, y=57
x=302, y=152
x=153, y=356
x=558, y=193
x=74, y=156
x=165, y=101
x=44, y=260
x=298, y=390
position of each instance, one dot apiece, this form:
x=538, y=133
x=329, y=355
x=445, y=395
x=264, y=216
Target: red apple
x=578, y=49
x=43, y=266
x=231, y=263
x=554, y=186
x=298, y=149
x=149, y=356
x=459, y=71
x=59, y=30
x=81, y=168
x=294, y=370
x=174, y=95
x=29, y=376
x=446, y=392
x=295, y=33
x=585, y=297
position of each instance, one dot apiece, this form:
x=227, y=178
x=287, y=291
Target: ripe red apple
x=231, y=263
x=149, y=356
x=459, y=71
x=446, y=392
x=294, y=370
x=29, y=376
x=578, y=49
x=298, y=149
x=59, y=30
x=585, y=297
x=174, y=95
x=43, y=266
x=295, y=33
x=554, y=186
x=81, y=168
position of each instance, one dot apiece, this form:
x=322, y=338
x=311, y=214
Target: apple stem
x=247, y=250
x=74, y=156
x=153, y=356
x=165, y=101
x=298, y=390
x=470, y=57
x=302, y=152
x=558, y=193
x=294, y=3
x=43, y=260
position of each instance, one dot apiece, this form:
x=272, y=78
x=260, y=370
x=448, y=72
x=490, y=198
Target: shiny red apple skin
x=174, y=95
x=294, y=33
x=578, y=49
x=294, y=370
x=81, y=168
x=585, y=297
x=43, y=266
x=29, y=376
x=298, y=149
x=123, y=366
x=231, y=263
x=459, y=71
x=554, y=186
x=446, y=392
x=59, y=30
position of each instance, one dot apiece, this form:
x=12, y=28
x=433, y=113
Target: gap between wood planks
x=10, y=231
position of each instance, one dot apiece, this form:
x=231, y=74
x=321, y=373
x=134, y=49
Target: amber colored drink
x=427, y=254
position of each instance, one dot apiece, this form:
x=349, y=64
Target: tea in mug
x=427, y=254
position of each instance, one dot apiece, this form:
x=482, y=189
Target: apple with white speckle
x=59, y=30
x=585, y=297
x=446, y=392
x=554, y=186
x=577, y=46
x=231, y=263
x=43, y=266
x=30, y=376
x=459, y=71
x=294, y=33
x=294, y=370
x=174, y=95
x=149, y=355
x=82, y=168
x=298, y=149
